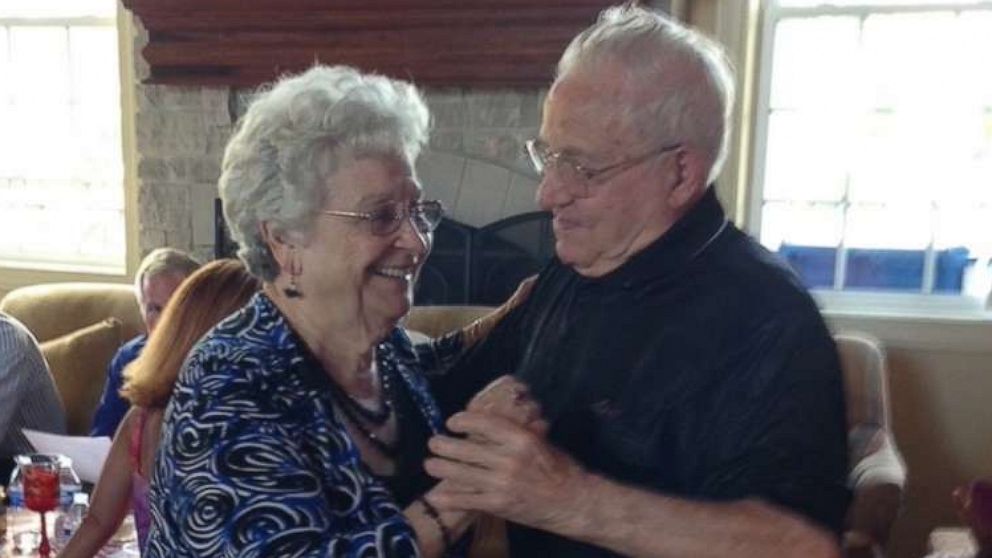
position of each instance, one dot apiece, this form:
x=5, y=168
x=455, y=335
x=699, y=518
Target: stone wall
x=181, y=134
x=474, y=164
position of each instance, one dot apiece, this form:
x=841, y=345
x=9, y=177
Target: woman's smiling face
x=349, y=270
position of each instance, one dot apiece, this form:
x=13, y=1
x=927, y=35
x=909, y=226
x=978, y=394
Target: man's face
x=156, y=291
x=599, y=228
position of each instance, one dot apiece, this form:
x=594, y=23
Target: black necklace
x=387, y=449
x=359, y=415
x=375, y=417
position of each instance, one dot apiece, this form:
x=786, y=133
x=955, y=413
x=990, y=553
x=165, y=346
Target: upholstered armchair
x=878, y=473
x=80, y=326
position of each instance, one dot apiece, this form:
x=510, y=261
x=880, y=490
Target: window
x=874, y=144
x=61, y=160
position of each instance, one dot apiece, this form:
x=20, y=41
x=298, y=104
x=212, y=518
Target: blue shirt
x=113, y=407
x=254, y=461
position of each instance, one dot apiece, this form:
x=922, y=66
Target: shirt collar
x=674, y=249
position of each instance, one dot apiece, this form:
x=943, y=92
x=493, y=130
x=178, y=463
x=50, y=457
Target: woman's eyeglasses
x=386, y=219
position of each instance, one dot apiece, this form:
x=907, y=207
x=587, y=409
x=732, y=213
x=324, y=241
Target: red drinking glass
x=41, y=494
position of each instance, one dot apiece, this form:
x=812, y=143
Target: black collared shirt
x=699, y=369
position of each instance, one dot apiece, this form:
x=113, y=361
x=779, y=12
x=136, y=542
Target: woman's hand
x=510, y=398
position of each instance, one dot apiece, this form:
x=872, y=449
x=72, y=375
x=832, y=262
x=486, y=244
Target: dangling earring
x=293, y=290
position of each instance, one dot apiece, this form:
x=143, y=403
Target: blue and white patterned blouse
x=253, y=460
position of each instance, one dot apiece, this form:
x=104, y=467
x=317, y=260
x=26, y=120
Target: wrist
x=437, y=521
x=581, y=518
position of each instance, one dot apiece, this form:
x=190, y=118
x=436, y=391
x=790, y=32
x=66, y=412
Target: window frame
x=12, y=277
x=836, y=300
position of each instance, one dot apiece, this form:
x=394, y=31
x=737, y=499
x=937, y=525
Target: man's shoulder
x=134, y=345
x=127, y=352
x=10, y=324
x=759, y=276
x=13, y=333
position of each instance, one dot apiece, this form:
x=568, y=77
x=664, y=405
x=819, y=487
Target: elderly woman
x=299, y=425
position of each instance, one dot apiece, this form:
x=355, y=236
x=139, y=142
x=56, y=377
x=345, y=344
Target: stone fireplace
x=474, y=163
x=484, y=74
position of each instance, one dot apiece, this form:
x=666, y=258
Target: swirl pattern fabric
x=253, y=460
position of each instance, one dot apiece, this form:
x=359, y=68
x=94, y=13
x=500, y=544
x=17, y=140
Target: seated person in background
x=158, y=276
x=299, y=424
x=205, y=298
x=28, y=397
x=693, y=392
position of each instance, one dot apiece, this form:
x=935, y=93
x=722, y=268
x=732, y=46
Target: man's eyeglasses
x=545, y=160
x=386, y=219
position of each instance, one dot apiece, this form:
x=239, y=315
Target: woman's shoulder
x=256, y=329
x=249, y=345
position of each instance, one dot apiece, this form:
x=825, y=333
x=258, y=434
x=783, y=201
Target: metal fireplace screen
x=484, y=265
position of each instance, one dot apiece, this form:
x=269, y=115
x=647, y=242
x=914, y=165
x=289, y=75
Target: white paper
x=87, y=454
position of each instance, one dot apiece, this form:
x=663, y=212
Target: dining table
x=22, y=536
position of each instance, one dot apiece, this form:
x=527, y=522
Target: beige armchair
x=80, y=326
x=878, y=473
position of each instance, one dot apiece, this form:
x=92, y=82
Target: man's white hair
x=163, y=261
x=688, y=77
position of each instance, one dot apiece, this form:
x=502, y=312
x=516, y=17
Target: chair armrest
x=877, y=462
x=874, y=510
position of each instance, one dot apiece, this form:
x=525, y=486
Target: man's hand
x=509, y=471
x=510, y=398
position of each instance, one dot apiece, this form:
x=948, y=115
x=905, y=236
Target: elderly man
x=692, y=390
x=28, y=398
x=158, y=276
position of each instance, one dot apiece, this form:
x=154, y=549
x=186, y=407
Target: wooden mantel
x=472, y=43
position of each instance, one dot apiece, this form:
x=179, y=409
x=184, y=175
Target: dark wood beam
x=482, y=43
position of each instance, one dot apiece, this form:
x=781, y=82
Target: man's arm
x=503, y=469
x=11, y=382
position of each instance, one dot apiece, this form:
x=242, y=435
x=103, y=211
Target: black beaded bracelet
x=436, y=516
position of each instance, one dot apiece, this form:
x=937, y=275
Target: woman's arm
x=439, y=353
x=506, y=397
x=479, y=329
x=111, y=497
x=434, y=528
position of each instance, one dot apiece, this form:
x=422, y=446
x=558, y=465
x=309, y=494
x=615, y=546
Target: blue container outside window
x=814, y=264
x=891, y=270
x=878, y=269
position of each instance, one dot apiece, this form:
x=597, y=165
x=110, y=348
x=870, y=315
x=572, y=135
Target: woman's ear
x=280, y=246
x=691, y=175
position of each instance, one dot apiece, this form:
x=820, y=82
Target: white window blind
x=874, y=144
x=61, y=161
